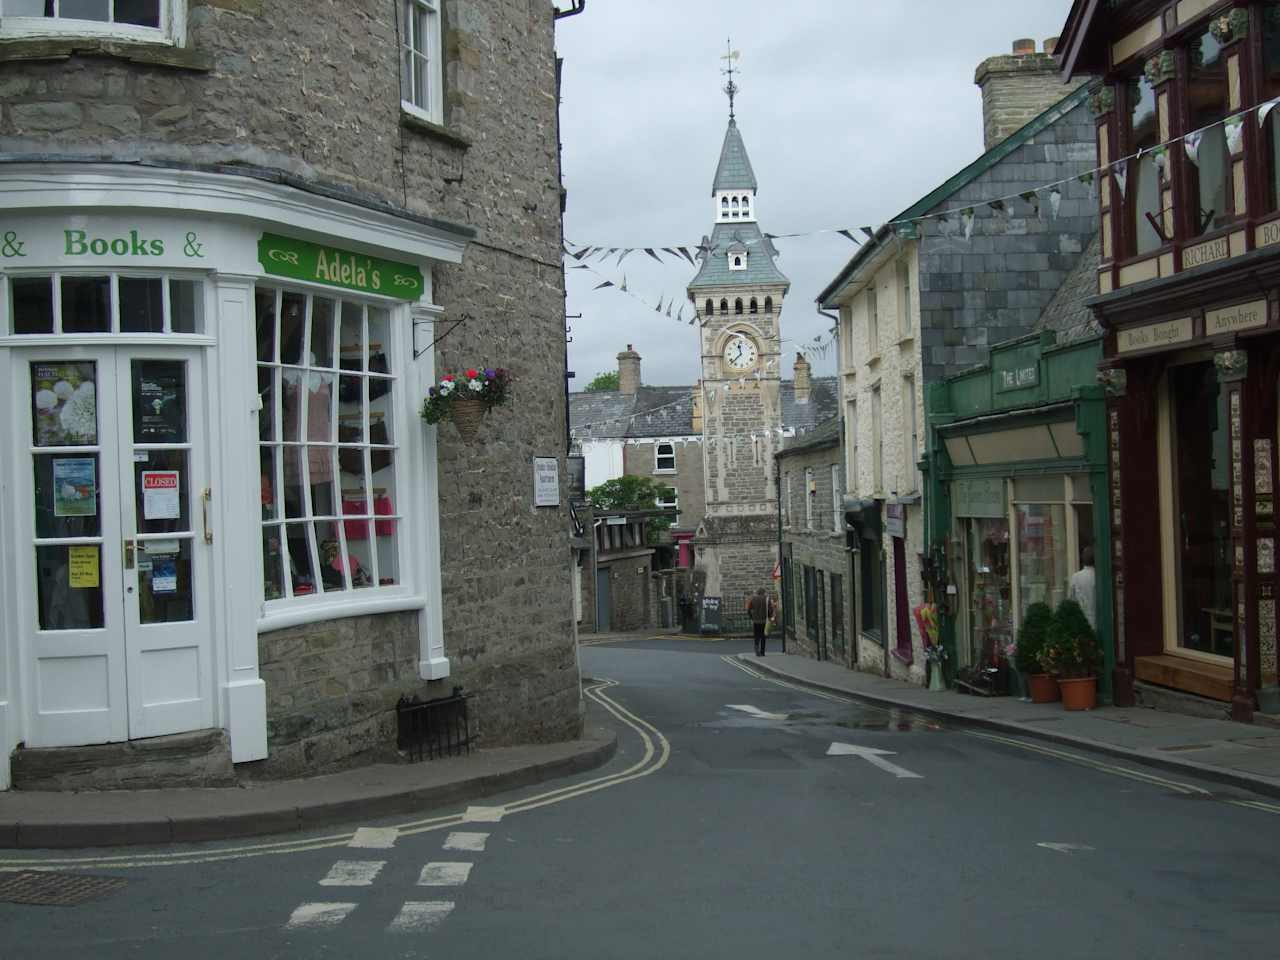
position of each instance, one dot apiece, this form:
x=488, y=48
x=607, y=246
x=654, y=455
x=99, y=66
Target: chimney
x=628, y=372
x=1019, y=87
x=802, y=380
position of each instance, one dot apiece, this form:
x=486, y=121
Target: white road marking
x=874, y=757
x=1066, y=847
x=353, y=873
x=465, y=841
x=319, y=915
x=757, y=712
x=484, y=814
x=414, y=917
x=375, y=838
x=444, y=874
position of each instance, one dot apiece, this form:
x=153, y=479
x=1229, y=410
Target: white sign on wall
x=546, y=482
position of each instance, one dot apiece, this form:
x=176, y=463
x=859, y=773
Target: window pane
x=141, y=304
x=1042, y=555
x=331, y=559
x=294, y=505
x=990, y=608
x=1207, y=103
x=141, y=13
x=388, y=553
x=291, y=408
x=153, y=485
x=267, y=394
x=62, y=605
x=1039, y=489
x=293, y=315
x=186, y=306
x=64, y=404
x=269, y=496
x=31, y=304
x=324, y=500
x=272, y=559
x=67, y=498
x=86, y=305
x=24, y=8
x=164, y=581
x=352, y=342
x=86, y=9
x=301, y=574
x=321, y=333
x=265, y=303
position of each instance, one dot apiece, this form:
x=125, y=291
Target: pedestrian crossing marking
x=375, y=838
x=319, y=915
x=484, y=814
x=444, y=874
x=353, y=873
x=466, y=841
x=417, y=916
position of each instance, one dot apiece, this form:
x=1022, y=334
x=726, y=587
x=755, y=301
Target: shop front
x=1017, y=464
x=211, y=435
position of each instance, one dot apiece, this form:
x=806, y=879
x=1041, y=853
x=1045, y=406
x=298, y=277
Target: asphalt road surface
x=741, y=818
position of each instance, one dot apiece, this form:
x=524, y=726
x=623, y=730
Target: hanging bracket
x=428, y=321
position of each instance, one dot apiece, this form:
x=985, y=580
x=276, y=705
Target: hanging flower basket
x=466, y=397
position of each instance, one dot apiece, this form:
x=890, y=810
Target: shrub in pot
x=1028, y=656
x=1071, y=653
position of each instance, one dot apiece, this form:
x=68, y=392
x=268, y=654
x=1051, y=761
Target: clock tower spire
x=738, y=294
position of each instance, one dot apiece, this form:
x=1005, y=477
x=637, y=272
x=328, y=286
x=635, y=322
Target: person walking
x=1083, y=587
x=758, y=610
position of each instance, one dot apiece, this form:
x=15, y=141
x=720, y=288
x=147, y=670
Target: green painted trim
x=962, y=179
x=316, y=263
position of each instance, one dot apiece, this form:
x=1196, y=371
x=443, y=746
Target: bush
x=1071, y=648
x=1031, y=637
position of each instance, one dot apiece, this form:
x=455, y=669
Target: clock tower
x=738, y=294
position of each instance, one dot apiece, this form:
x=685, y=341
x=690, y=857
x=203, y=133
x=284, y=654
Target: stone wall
x=310, y=89
x=1017, y=88
x=631, y=592
x=639, y=461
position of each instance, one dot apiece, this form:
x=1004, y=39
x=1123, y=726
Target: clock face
x=740, y=353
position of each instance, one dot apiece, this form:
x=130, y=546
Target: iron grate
x=56, y=889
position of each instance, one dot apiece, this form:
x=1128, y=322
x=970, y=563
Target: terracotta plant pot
x=466, y=416
x=1080, y=694
x=1044, y=689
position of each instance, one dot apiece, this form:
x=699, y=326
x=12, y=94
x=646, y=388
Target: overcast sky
x=851, y=111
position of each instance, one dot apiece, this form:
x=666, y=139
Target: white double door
x=115, y=580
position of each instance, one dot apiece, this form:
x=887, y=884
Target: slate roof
x=668, y=411
x=1066, y=314
x=734, y=171
x=761, y=252
x=826, y=434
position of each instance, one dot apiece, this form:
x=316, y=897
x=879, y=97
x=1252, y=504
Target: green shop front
x=210, y=434
x=1017, y=494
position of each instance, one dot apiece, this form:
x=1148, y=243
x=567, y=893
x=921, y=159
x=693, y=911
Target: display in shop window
x=75, y=487
x=64, y=404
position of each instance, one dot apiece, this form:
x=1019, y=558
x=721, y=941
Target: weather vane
x=731, y=88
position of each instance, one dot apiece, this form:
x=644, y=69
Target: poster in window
x=160, y=498
x=82, y=568
x=164, y=574
x=75, y=487
x=64, y=404
x=159, y=403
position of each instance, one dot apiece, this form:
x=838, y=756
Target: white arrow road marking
x=375, y=838
x=314, y=915
x=415, y=917
x=757, y=712
x=874, y=757
x=1065, y=847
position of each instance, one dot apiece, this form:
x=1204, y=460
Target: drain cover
x=56, y=889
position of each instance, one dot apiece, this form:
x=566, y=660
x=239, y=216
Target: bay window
x=144, y=20
x=1142, y=201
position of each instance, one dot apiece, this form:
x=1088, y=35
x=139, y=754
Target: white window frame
x=911, y=436
x=873, y=322
x=737, y=261
x=851, y=466
x=659, y=456
x=428, y=48
x=810, y=495
x=837, y=497
x=877, y=440
x=171, y=32
x=905, y=320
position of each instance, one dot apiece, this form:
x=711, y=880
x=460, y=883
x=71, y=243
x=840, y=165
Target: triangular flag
x=601, y=286
x=1265, y=109
x=1120, y=173
x=849, y=236
x=966, y=218
x=649, y=251
x=670, y=303
x=999, y=207
x=1055, y=201
x=623, y=288
x=1033, y=200
x=623, y=255
x=1191, y=143
x=869, y=232
x=1160, y=158
x=581, y=266
x=670, y=251
x=658, y=308
x=684, y=252
x=582, y=253
x=1235, y=133
x=606, y=254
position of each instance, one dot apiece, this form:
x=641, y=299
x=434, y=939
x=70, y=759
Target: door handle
x=205, y=496
x=128, y=554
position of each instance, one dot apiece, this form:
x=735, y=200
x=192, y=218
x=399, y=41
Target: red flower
x=448, y=376
x=472, y=375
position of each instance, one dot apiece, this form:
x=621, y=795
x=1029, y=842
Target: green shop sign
x=978, y=498
x=300, y=260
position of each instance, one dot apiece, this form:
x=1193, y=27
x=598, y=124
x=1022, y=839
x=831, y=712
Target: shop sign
x=1152, y=335
x=1017, y=369
x=1210, y=252
x=895, y=520
x=1268, y=234
x=315, y=263
x=1243, y=316
x=978, y=498
x=546, y=482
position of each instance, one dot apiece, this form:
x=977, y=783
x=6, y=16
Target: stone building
x=817, y=565
x=241, y=240
x=924, y=299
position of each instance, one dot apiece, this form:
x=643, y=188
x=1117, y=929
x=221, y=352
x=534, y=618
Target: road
x=727, y=826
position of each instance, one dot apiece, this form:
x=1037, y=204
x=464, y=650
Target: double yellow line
x=656, y=753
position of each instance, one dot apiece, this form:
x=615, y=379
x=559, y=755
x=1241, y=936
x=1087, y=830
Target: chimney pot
x=1023, y=47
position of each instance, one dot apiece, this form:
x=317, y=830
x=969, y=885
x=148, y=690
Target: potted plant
x=1028, y=656
x=466, y=397
x=1072, y=655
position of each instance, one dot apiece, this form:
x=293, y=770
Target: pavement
x=1239, y=754
x=62, y=820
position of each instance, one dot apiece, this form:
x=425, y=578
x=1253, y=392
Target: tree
x=633, y=493
x=602, y=382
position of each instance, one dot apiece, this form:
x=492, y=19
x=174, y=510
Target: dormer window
x=735, y=207
x=724, y=206
x=746, y=207
x=737, y=261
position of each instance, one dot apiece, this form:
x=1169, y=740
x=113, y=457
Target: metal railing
x=427, y=729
